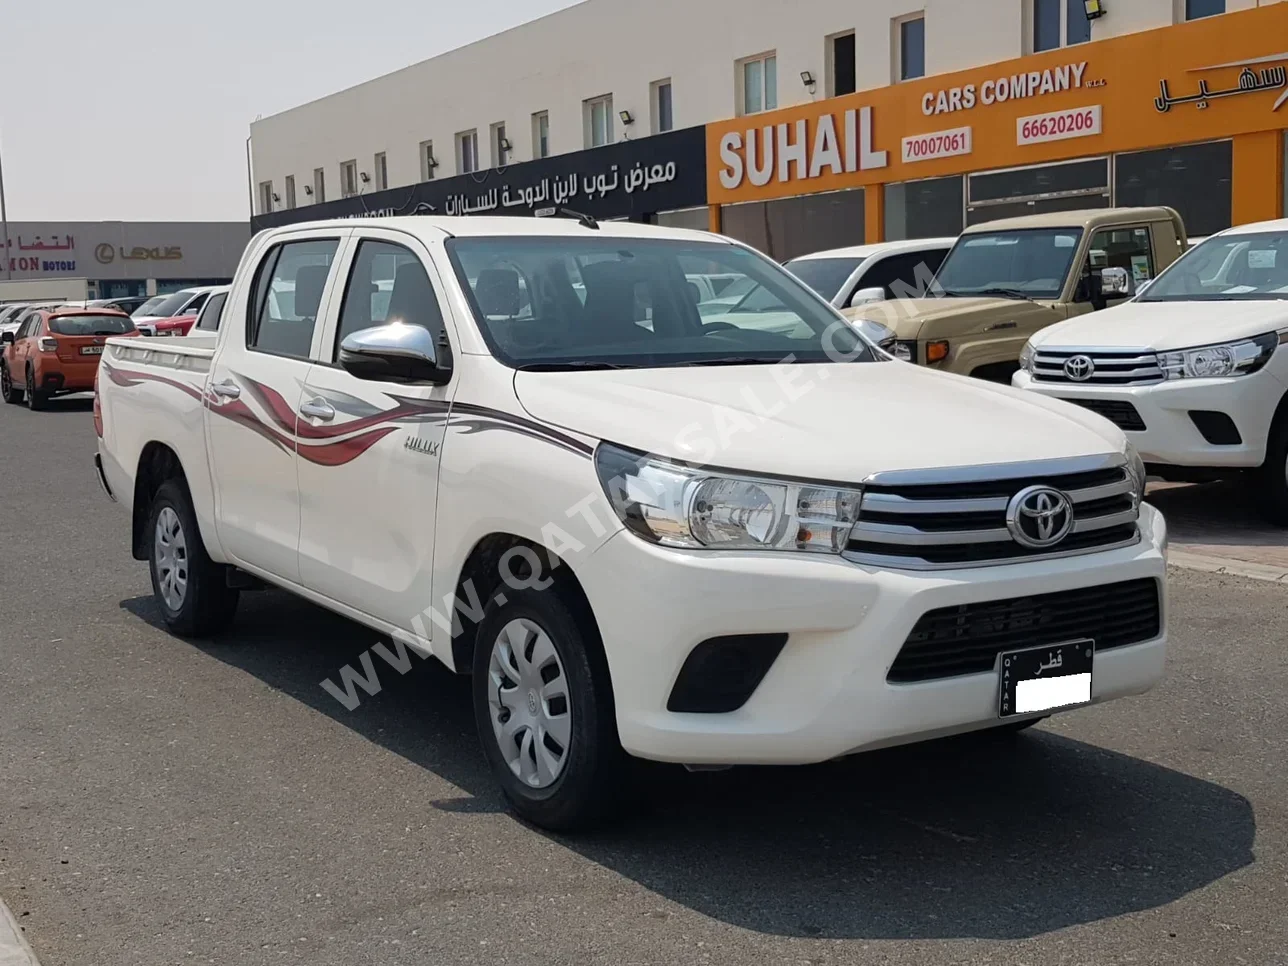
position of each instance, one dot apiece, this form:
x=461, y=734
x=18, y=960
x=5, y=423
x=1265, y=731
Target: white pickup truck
x=1194, y=369
x=642, y=532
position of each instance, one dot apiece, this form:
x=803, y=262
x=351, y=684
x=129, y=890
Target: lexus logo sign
x=104, y=254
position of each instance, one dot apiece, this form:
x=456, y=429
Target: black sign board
x=629, y=179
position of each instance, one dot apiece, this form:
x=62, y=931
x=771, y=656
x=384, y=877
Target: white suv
x=1195, y=369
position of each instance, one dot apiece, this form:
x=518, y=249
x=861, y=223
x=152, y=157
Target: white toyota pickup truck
x=517, y=446
x=1194, y=369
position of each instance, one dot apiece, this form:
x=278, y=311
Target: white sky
x=139, y=109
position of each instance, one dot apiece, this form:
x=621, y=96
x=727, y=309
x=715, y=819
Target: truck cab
x=1005, y=280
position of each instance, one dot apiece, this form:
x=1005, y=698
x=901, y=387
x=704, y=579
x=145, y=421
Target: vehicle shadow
x=978, y=837
x=1223, y=513
x=76, y=403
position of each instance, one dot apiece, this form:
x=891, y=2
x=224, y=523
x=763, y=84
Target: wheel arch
x=480, y=576
x=158, y=463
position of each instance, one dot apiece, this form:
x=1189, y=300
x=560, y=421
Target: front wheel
x=1272, y=484
x=191, y=589
x=544, y=709
x=10, y=392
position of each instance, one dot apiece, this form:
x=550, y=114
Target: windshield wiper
x=1006, y=293
x=570, y=365
x=732, y=361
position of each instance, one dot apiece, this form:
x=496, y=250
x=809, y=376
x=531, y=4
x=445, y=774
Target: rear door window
x=288, y=297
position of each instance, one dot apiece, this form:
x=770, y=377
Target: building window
x=427, y=161
x=265, y=197
x=467, y=152
x=348, y=179
x=932, y=208
x=381, y=172
x=1195, y=179
x=912, y=48
x=598, y=120
x=663, y=114
x=290, y=191
x=758, y=84
x=790, y=227
x=541, y=134
x=319, y=185
x=500, y=145
x=841, y=65
x=1059, y=23
x=1198, y=9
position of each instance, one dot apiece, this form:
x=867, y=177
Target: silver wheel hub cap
x=170, y=550
x=527, y=693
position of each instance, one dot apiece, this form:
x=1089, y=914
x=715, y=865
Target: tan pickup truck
x=1005, y=280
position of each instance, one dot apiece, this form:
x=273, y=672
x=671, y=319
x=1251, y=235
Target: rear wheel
x=1272, y=486
x=10, y=392
x=190, y=589
x=544, y=709
x=35, y=400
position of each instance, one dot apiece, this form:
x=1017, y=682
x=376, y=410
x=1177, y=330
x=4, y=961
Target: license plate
x=1046, y=678
x=91, y=350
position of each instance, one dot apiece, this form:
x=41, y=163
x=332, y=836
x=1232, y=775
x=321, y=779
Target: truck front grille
x=944, y=523
x=967, y=639
x=1097, y=367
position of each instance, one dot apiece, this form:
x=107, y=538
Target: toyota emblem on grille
x=1079, y=368
x=1039, y=517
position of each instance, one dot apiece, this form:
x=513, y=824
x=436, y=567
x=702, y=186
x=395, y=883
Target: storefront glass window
x=790, y=227
x=924, y=209
x=1195, y=179
x=1031, y=191
x=697, y=219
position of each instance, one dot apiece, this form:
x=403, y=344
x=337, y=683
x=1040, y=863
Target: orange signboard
x=1198, y=81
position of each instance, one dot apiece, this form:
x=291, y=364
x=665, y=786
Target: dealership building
x=123, y=258
x=800, y=127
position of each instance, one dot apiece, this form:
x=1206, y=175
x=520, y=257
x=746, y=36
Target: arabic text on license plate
x=91, y=350
x=1045, y=678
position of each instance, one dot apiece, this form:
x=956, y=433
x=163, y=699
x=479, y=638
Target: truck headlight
x=1026, y=357
x=1225, y=359
x=680, y=506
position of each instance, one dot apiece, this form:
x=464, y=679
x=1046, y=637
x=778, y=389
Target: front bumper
x=827, y=694
x=1170, y=435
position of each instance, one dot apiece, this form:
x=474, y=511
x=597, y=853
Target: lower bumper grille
x=1119, y=412
x=967, y=639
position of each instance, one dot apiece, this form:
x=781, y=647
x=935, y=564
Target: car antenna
x=584, y=220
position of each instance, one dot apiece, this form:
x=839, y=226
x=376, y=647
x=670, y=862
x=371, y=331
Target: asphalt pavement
x=169, y=802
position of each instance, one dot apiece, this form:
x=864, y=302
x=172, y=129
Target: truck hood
x=1165, y=326
x=923, y=318
x=827, y=422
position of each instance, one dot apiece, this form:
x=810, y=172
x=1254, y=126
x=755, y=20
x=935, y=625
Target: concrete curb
x=1225, y=565
x=14, y=950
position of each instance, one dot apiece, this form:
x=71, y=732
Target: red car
x=179, y=325
x=56, y=351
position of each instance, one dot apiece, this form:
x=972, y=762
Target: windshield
x=1249, y=267
x=147, y=307
x=1032, y=262
x=90, y=325
x=167, y=306
x=824, y=275
x=586, y=301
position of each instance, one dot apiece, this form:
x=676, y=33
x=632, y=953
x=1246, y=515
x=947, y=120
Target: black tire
x=1272, y=481
x=207, y=604
x=36, y=401
x=591, y=783
x=11, y=393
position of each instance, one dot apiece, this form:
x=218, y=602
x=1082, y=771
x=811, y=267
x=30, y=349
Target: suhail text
x=785, y=153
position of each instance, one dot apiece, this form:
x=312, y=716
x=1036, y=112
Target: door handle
x=318, y=409
x=228, y=389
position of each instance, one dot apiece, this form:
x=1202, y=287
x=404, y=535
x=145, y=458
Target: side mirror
x=6, y=338
x=1114, y=282
x=866, y=296
x=395, y=353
